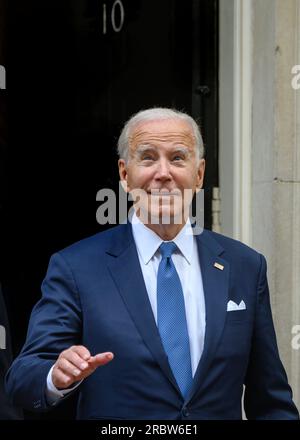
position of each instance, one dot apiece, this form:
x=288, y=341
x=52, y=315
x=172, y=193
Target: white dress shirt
x=187, y=264
x=186, y=261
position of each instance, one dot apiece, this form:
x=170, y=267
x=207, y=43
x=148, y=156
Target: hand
x=75, y=364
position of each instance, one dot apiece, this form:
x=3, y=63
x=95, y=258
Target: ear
x=123, y=173
x=200, y=174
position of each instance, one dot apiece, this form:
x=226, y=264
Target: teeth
x=162, y=194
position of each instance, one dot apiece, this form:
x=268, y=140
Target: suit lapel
x=215, y=286
x=124, y=266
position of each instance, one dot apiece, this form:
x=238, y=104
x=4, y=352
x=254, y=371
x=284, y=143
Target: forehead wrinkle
x=145, y=137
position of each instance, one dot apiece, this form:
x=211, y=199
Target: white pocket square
x=232, y=306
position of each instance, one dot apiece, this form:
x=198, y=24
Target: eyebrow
x=147, y=147
x=144, y=147
x=183, y=150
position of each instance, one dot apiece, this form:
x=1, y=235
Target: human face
x=163, y=163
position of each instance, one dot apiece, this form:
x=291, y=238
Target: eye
x=147, y=157
x=178, y=157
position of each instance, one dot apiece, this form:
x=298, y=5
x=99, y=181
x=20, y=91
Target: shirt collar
x=148, y=242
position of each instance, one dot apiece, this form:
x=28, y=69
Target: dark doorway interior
x=76, y=70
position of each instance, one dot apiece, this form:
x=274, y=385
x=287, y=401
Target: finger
x=82, y=351
x=60, y=379
x=75, y=359
x=69, y=368
x=100, y=359
x=96, y=361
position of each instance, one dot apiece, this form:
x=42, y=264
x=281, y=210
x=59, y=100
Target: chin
x=166, y=217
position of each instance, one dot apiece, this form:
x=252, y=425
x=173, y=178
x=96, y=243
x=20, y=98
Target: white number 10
x=116, y=26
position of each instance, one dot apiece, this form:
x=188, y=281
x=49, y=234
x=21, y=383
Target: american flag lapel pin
x=219, y=266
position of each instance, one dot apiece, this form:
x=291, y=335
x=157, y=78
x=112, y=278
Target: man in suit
x=149, y=320
x=7, y=410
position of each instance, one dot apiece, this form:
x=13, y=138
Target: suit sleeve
x=7, y=410
x=267, y=393
x=55, y=325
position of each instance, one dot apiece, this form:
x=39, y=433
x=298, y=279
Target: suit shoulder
x=235, y=247
x=94, y=244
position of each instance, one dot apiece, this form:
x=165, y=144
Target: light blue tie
x=171, y=319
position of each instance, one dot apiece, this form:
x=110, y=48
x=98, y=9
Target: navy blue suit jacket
x=7, y=411
x=94, y=294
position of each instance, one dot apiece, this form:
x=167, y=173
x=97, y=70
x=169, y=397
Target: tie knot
x=167, y=248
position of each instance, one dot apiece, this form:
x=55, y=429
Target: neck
x=165, y=231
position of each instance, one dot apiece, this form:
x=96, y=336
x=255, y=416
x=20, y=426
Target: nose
x=163, y=170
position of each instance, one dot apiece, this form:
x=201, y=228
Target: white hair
x=157, y=113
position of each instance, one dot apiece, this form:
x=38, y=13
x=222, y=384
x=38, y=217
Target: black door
x=76, y=71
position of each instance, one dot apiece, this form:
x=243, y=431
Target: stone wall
x=276, y=165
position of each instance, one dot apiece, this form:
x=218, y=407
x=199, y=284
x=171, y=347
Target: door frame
x=235, y=118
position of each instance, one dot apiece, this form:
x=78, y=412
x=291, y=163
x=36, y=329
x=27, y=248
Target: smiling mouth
x=163, y=193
